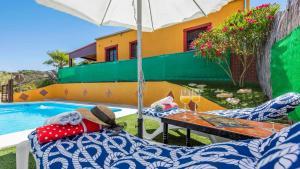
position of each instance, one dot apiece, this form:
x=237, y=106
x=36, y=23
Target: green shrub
x=242, y=35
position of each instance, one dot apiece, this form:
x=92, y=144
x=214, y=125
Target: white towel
x=167, y=100
x=72, y=118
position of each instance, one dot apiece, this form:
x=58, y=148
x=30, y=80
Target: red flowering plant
x=242, y=34
x=213, y=45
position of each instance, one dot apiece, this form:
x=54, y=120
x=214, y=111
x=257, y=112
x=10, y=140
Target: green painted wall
x=285, y=67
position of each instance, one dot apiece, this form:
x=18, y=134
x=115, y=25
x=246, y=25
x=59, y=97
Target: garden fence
x=171, y=67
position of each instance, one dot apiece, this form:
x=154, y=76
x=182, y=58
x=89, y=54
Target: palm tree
x=57, y=59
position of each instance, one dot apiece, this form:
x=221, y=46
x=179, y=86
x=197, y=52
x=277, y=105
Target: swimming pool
x=23, y=116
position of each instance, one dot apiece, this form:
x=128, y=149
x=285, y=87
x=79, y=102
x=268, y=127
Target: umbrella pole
x=140, y=68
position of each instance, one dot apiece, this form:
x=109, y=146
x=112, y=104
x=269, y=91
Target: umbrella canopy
x=156, y=13
x=143, y=15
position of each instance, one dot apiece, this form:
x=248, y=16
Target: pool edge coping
x=17, y=137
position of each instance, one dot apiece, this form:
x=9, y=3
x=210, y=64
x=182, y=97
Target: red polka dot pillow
x=54, y=132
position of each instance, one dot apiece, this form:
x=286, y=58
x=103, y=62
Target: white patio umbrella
x=143, y=15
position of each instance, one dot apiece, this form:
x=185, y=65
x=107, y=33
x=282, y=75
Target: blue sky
x=28, y=31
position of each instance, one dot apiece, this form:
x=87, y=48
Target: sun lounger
x=109, y=150
x=272, y=109
x=151, y=114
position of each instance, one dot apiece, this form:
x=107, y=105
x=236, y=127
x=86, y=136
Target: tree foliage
x=242, y=35
x=57, y=59
x=32, y=79
x=86, y=62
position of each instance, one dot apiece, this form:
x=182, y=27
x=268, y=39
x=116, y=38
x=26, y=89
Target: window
x=191, y=34
x=133, y=50
x=111, y=53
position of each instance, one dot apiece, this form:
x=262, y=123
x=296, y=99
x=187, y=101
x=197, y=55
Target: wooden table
x=194, y=122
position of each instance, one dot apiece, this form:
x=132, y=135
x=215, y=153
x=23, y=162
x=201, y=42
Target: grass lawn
x=8, y=159
x=253, y=99
x=8, y=156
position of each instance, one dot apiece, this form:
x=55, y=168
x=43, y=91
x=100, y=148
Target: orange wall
x=163, y=41
x=113, y=93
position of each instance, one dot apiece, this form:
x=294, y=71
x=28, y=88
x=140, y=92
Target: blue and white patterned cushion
x=272, y=109
x=107, y=150
x=282, y=150
x=153, y=113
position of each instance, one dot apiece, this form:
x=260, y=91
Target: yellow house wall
x=163, y=41
x=123, y=93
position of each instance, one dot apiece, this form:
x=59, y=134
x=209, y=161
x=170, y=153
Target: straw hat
x=99, y=114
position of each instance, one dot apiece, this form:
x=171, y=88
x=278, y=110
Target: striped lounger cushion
x=151, y=112
x=110, y=150
x=272, y=109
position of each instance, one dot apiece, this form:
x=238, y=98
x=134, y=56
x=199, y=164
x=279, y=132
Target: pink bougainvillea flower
x=249, y=13
x=270, y=17
x=193, y=44
x=209, y=28
x=202, y=47
x=225, y=29
x=263, y=6
x=209, y=44
x=250, y=20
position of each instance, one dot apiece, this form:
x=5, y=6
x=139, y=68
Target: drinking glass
x=196, y=99
x=185, y=99
x=273, y=127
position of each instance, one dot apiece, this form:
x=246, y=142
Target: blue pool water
x=23, y=116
